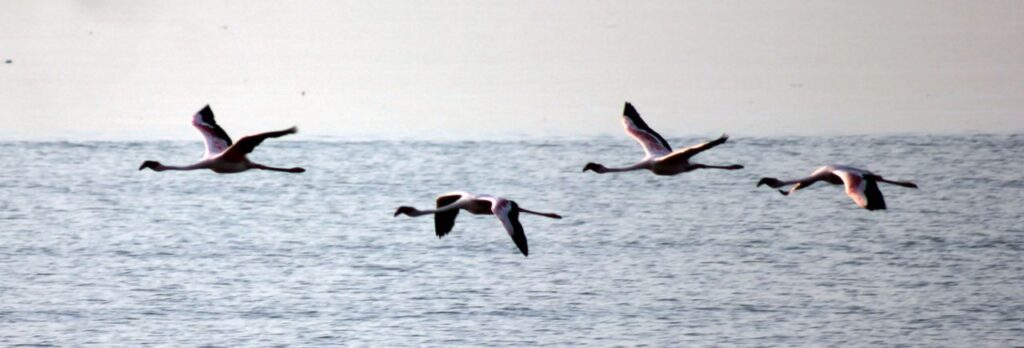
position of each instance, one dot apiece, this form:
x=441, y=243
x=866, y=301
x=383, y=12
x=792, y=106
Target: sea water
x=94, y=252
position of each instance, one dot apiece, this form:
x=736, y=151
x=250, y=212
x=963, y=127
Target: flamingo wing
x=691, y=151
x=444, y=221
x=875, y=199
x=508, y=213
x=862, y=189
x=652, y=142
x=246, y=144
x=216, y=139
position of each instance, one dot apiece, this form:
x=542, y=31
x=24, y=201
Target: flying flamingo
x=861, y=185
x=221, y=155
x=659, y=159
x=449, y=204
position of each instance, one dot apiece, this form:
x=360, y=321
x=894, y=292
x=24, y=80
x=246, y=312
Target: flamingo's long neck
x=708, y=166
x=776, y=183
x=615, y=170
x=638, y=166
x=417, y=212
x=200, y=165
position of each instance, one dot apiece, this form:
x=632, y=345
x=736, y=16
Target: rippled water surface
x=94, y=252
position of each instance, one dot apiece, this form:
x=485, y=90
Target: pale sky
x=83, y=70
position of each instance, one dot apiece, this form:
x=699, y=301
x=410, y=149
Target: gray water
x=96, y=253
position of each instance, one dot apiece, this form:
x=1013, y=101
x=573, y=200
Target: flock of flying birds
x=224, y=156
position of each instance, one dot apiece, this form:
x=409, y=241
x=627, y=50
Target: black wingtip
x=629, y=110
x=206, y=111
x=876, y=201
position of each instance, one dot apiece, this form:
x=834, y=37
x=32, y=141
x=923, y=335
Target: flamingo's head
x=407, y=211
x=597, y=168
x=771, y=182
x=154, y=165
